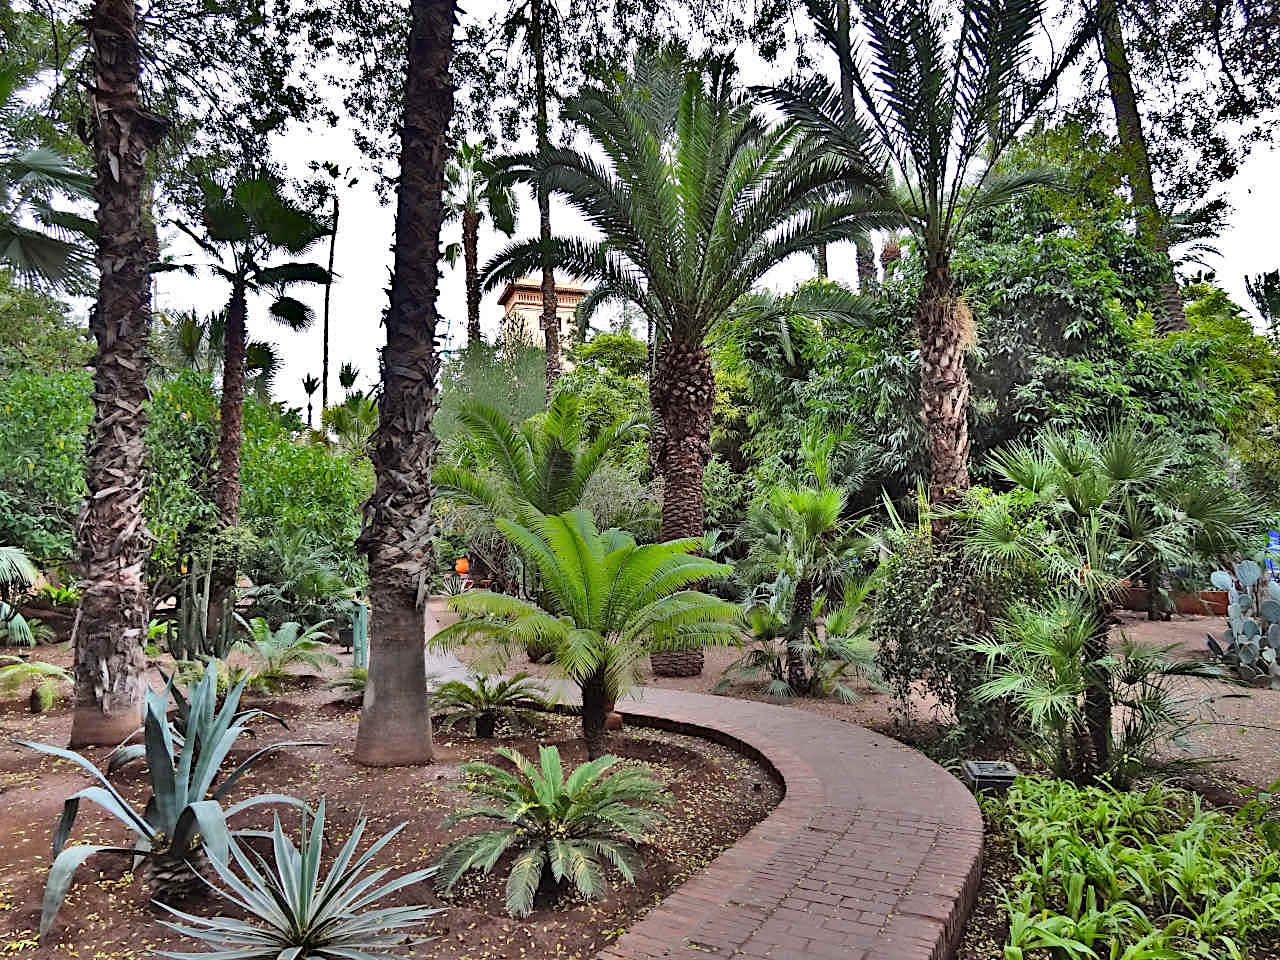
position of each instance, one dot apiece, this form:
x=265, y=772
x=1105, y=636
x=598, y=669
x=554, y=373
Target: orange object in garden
x=462, y=565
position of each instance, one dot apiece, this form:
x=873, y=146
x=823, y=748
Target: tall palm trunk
x=1133, y=143
x=231, y=410
x=820, y=260
x=470, y=247
x=798, y=677
x=866, y=255
x=111, y=622
x=328, y=289
x=944, y=380
x=395, y=723
x=550, y=318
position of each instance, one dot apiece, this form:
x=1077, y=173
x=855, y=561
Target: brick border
x=874, y=853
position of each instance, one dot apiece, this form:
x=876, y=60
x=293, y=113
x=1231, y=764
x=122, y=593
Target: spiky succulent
x=297, y=915
x=562, y=831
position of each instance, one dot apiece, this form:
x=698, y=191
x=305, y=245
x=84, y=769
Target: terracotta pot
x=612, y=718
x=1206, y=603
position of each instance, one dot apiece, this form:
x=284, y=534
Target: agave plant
x=563, y=831
x=183, y=824
x=298, y=914
x=277, y=650
x=482, y=706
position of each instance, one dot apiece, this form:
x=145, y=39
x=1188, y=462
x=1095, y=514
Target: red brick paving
x=874, y=853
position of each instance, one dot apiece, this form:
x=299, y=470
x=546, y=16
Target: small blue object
x=360, y=634
x=1273, y=548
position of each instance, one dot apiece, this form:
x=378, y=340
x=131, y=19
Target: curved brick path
x=873, y=854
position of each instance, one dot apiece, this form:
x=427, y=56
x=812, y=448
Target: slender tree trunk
x=550, y=318
x=1133, y=142
x=395, y=723
x=231, y=429
x=308, y=413
x=944, y=381
x=111, y=541
x=866, y=254
x=820, y=260
x=798, y=676
x=328, y=289
x=470, y=247
x=595, y=712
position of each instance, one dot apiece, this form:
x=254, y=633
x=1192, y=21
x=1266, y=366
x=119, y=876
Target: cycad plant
x=697, y=198
x=544, y=464
x=184, y=823
x=277, y=650
x=563, y=830
x=516, y=700
x=297, y=914
x=605, y=604
x=943, y=91
x=475, y=193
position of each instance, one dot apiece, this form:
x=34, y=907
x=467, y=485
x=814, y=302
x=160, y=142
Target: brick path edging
x=874, y=853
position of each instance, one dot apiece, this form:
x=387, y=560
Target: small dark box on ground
x=995, y=775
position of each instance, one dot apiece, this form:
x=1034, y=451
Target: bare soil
x=718, y=796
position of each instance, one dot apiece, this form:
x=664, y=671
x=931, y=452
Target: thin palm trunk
x=595, y=713
x=227, y=492
x=1133, y=143
x=550, y=318
x=798, y=677
x=111, y=622
x=944, y=380
x=470, y=247
x=820, y=260
x=866, y=255
x=395, y=723
x=328, y=289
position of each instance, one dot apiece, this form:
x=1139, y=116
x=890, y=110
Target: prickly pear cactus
x=1251, y=641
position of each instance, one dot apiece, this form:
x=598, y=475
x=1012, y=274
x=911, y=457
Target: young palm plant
x=183, y=825
x=277, y=650
x=944, y=92
x=605, y=603
x=17, y=575
x=474, y=193
x=516, y=701
x=563, y=830
x=297, y=914
x=698, y=198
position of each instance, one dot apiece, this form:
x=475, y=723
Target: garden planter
x=1205, y=603
x=685, y=663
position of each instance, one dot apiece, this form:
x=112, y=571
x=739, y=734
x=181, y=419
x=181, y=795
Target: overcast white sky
x=364, y=257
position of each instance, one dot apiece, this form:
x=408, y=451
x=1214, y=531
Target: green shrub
x=481, y=705
x=562, y=830
x=1143, y=874
x=276, y=650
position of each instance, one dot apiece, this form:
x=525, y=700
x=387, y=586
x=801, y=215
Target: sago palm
x=697, y=198
x=942, y=93
x=474, y=193
x=606, y=603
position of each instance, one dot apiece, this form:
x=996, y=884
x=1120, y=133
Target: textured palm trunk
x=866, y=258
x=111, y=540
x=1097, y=700
x=395, y=723
x=328, y=289
x=470, y=247
x=683, y=392
x=550, y=318
x=798, y=676
x=595, y=713
x=820, y=260
x=1133, y=142
x=231, y=410
x=944, y=381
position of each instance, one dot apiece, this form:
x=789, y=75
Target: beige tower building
x=522, y=310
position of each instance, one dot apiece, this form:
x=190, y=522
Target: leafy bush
x=515, y=701
x=46, y=678
x=563, y=831
x=1144, y=874
x=277, y=650
x=295, y=913
x=183, y=821
x=296, y=578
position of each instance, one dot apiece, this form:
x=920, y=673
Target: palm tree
x=544, y=464
x=939, y=107
x=309, y=386
x=395, y=726
x=606, y=603
x=111, y=539
x=244, y=227
x=475, y=193
x=352, y=421
x=348, y=374
x=698, y=200
x=191, y=342
x=56, y=252
x=336, y=174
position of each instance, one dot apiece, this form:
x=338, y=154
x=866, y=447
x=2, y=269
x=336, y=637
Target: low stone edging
x=874, y=853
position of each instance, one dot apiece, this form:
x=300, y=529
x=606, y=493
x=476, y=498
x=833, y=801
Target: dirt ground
x=718, y=795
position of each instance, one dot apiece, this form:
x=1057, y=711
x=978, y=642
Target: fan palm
x=310, y=384
x=243, y=227
x=474, y=193
x=940, y=102
x=55, y=252
x=697, y=200
x=605, y=603
x=17, y=575
x=545, y=463
x=192, y=342
x=352, y=421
